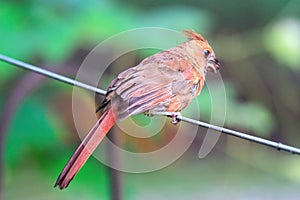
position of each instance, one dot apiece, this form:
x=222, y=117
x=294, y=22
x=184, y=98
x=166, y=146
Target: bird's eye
x=206, y=53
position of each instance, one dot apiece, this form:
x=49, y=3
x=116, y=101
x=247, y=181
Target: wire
x=73, y=82
x=51, y=74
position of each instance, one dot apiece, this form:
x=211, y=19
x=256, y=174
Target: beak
x=213, y=64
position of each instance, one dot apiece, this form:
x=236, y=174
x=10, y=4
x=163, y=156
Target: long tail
x=86, y=148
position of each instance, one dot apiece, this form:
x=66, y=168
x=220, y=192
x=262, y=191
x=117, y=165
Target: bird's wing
x=145, y=87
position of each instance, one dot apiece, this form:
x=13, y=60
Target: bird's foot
x=175, y=119
x=173, y=115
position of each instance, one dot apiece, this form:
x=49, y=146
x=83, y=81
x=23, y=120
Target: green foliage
x=33, y=129
x=183, y=17
x=249, y=116
x=141, y=120
x=7, y=73
x=285, y=45
x=53, y=31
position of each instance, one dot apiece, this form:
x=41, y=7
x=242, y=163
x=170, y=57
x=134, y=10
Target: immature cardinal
x=163, y=83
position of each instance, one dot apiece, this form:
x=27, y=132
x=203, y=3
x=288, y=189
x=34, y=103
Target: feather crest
x=193, y=35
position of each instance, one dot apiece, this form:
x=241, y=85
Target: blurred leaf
x=7, y=72
x=291, y=169
x=249, y=115
x=283, y=41
x=178, y=17
x=32, y=130
x=141, y=119
x=204, y=103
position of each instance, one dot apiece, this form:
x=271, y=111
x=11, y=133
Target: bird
x=164, y=83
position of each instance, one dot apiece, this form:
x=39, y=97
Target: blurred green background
x=258, y=43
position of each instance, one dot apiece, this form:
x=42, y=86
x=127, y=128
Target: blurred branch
x=256, y=139
x=25, y=86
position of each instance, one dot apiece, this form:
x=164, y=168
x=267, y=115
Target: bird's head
x=202, y=51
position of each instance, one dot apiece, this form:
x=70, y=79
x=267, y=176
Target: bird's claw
x=175, y=120
x=173, y=115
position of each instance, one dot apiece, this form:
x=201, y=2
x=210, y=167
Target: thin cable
x=70, y=81
x=277, y=145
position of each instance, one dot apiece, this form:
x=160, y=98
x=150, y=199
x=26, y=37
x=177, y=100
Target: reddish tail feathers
x=85, y=149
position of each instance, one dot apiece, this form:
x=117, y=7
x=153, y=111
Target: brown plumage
x=164, y=82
